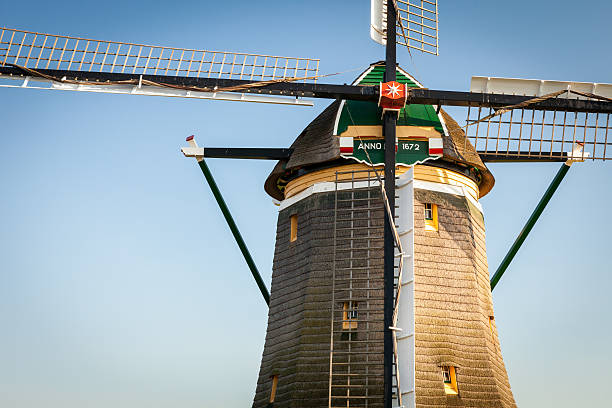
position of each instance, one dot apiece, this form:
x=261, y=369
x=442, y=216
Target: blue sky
x=120, y=284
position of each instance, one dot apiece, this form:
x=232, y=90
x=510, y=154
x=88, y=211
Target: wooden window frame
x=349, y=315
x=431, y=217
x=274, y=387
x=293, y=234
x=428, y=211
x=449, y=377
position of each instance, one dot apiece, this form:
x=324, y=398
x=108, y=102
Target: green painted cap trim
x=370, y=114
x=377, y=74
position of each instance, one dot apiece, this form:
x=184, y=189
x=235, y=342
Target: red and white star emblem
x=392, y=96
x=393, y=89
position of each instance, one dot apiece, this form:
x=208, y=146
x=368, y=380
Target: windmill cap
x=318, y=145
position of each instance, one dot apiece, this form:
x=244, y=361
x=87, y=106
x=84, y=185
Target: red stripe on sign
x=435, y=151
x=346, y=150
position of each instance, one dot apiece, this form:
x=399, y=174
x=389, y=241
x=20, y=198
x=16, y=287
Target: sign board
x=408, y=152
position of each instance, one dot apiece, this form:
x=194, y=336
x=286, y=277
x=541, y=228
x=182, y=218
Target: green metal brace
x=232, y=224
x=530, y=223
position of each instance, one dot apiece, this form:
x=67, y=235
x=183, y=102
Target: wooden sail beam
x=253, y=153
x=524, y=156
x=326, y=91
x=425, y=96
x=420, y=96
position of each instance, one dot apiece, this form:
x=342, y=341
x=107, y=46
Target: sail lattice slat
x=45, y=51
x=417, y=25
x=532, y=134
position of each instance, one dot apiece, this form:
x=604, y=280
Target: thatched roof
x=318, y=146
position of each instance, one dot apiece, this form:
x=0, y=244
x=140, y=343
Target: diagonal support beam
x=576, y=155
x=231, y=223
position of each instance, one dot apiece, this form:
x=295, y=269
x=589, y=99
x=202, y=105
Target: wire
x=142, y=81
x=524, y=104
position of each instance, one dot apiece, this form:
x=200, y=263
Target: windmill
x=140, y=82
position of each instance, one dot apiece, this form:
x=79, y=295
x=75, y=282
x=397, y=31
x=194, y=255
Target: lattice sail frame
x=46, y=51
x=417, y=24
x=533, y=134
x=529, y=133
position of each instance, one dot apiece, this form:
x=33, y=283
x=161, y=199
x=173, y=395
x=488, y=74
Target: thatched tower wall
x=453, y=308
x=298, y=335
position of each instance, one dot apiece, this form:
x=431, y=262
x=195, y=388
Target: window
x=349, y=315
x=273, y=390
x=431, y=217
x=491, y=321
x=293, y=236
x=446, y=375
x=450, y=380
x=428, y=212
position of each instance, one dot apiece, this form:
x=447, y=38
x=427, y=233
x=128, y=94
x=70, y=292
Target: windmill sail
x=417, y=24
x=525, y=133
x=38, y=51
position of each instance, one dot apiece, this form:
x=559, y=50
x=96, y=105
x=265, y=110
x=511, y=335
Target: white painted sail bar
x=44, y=84
x=405, y=321
x=378, y=21
x=536, y=87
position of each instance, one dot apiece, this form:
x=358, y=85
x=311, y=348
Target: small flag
x=435, y=146
x=346, y=145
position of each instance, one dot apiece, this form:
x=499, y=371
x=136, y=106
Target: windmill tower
x=380, y=287
x=324, y=345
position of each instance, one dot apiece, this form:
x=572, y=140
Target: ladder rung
x=358, y=267
x=355, y=321
x=376, y=200
x=348, y=200
x=358, y=299
x=362, y=290
x=364, y=309
x=356, y=259
x=357, y=331
x=342, y=406
x=370, y=228
x=350, y=385
x=350, y=375
x=379, y=208
x=355, y=352
x=359, y=248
